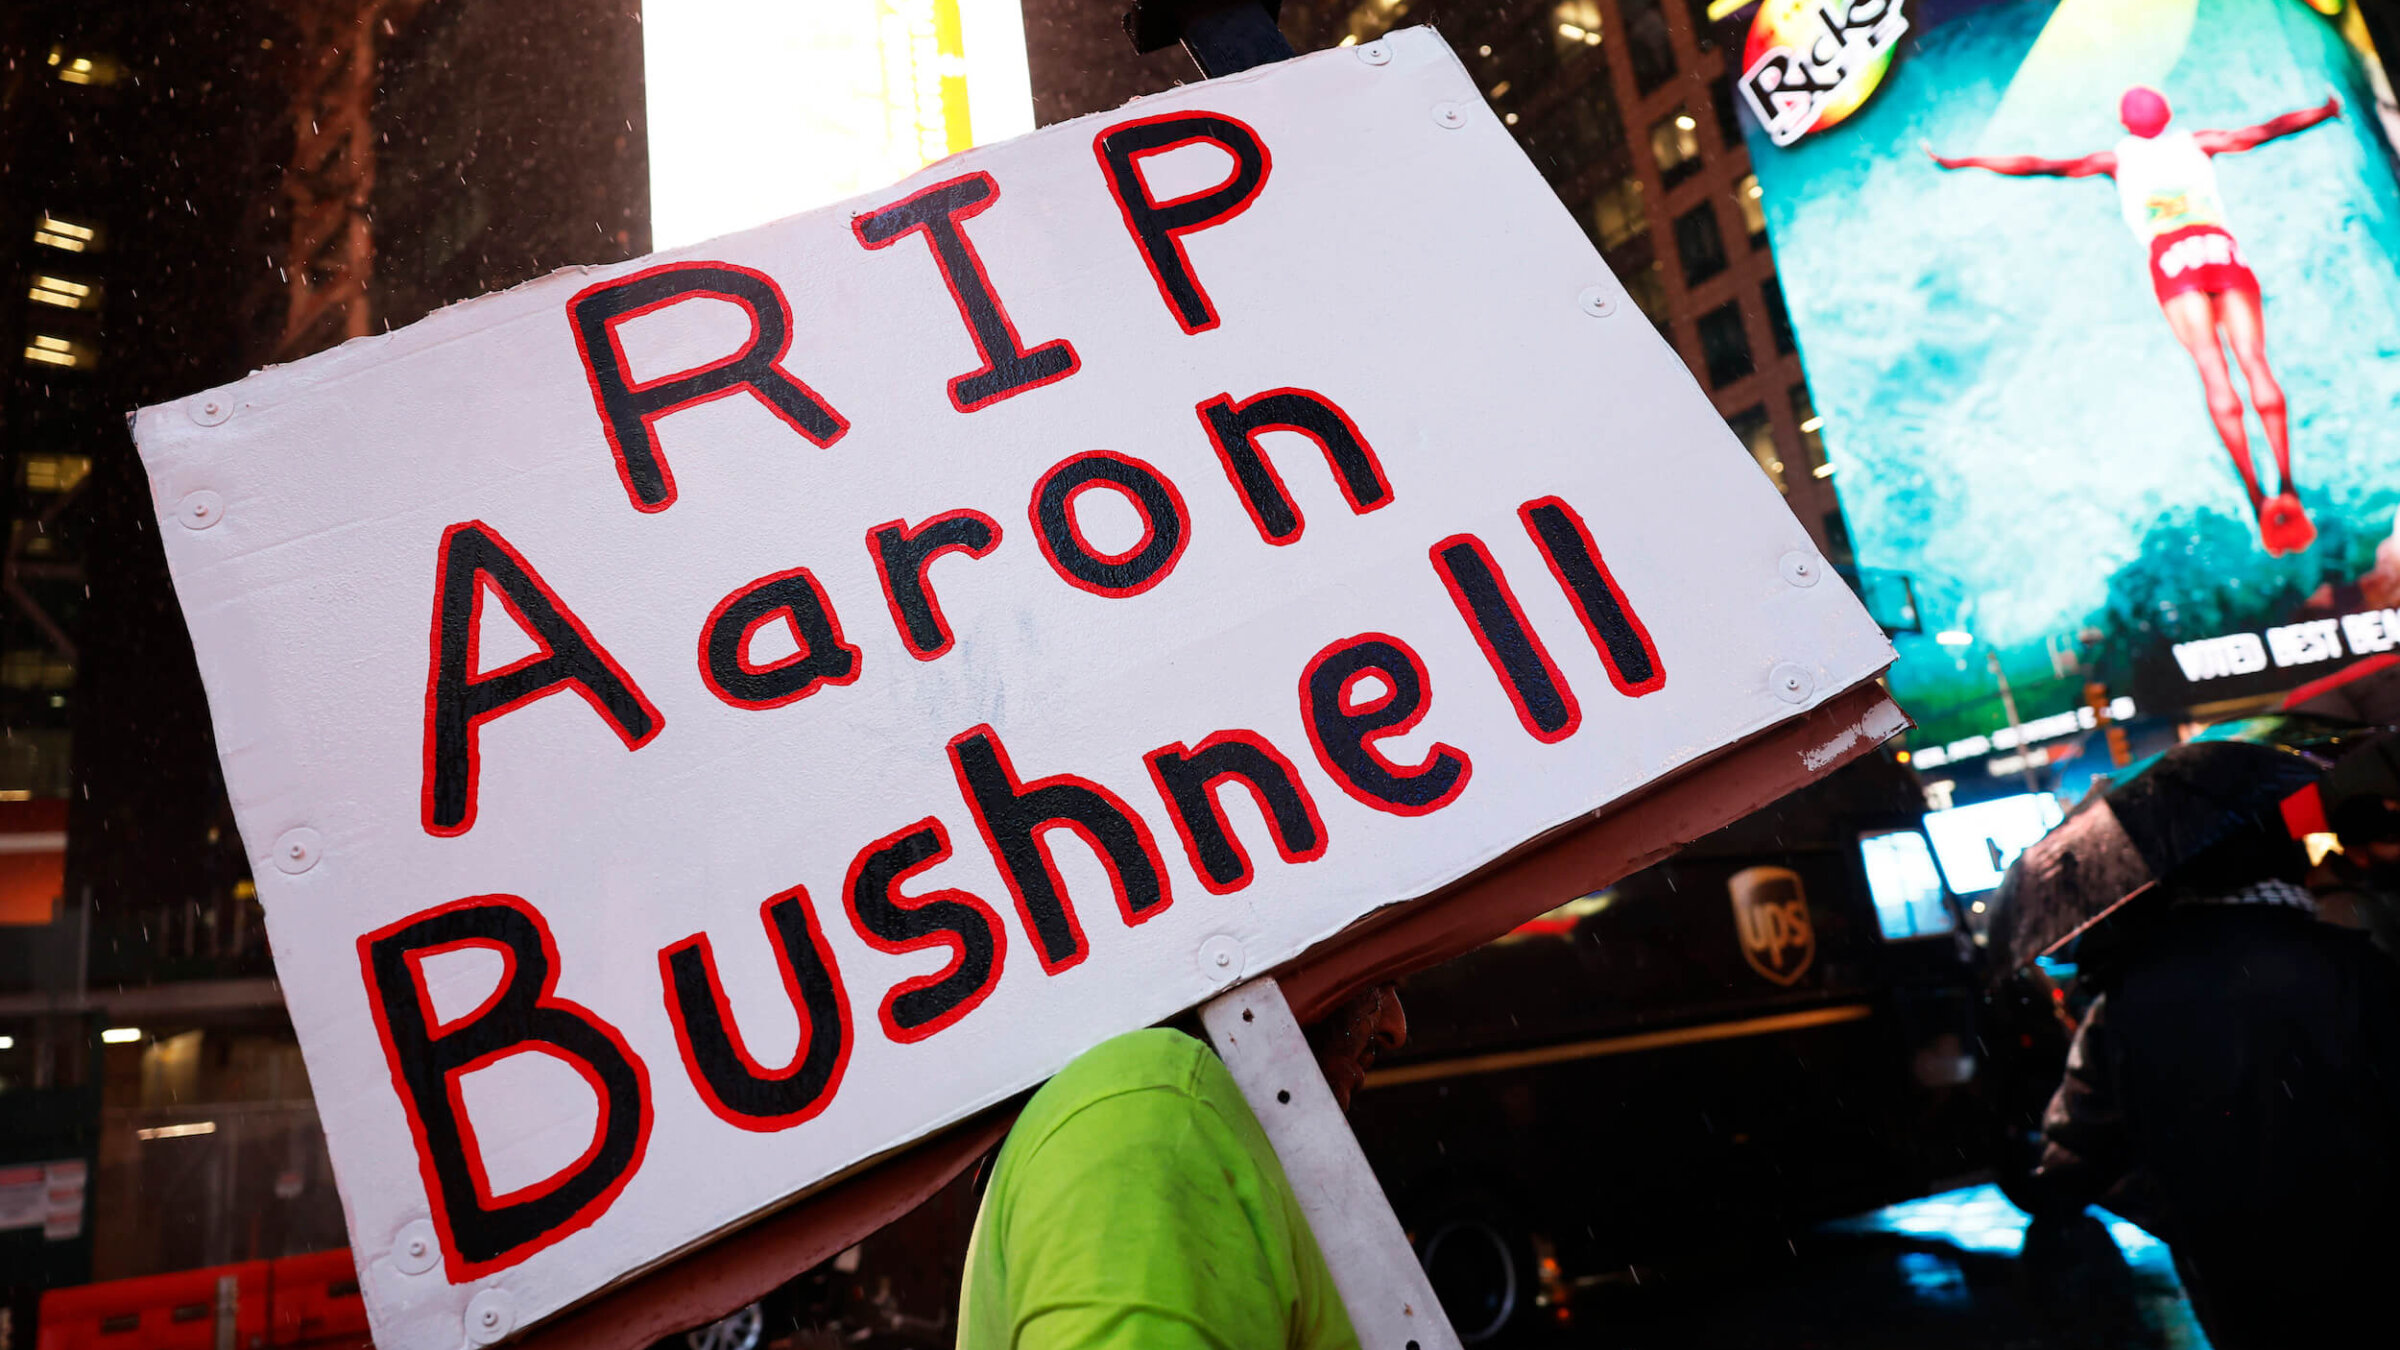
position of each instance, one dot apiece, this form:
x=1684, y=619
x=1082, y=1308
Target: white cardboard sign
x=702, y=723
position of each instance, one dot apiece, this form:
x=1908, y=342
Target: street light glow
x=120, y=1035
x=1955, y=637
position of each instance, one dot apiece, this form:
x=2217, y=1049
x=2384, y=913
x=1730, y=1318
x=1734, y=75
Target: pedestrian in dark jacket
x=2236, y=1089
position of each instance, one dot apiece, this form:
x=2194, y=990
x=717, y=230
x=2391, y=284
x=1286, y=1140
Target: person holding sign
x=1138, y=1203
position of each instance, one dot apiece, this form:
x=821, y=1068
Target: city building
x=186, y=195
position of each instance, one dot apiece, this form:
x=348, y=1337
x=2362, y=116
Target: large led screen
x=2060, y=269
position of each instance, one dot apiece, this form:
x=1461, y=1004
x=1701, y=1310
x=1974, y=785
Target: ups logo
x=1770, y=911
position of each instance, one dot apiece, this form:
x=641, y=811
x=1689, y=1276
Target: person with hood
x=2235, y=1088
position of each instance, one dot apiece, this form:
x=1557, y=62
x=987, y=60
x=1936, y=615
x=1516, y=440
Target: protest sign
x=703, y=723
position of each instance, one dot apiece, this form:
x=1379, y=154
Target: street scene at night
x=1042, y=674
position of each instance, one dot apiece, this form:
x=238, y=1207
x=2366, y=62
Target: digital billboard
x=761, y=109
x=2100, y=304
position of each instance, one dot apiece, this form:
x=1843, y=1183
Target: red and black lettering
x=628, y=409
x=1344, y=731
x=1480, y=590
x=1234, y=429
x=937, y=211
x=903, y=555
x=482, y=1232
x=1159, y=226
x=1013, y=815
x=796, y=598
x=736, y=1086
x=458, y=700
x=954, y=920
x=1187, y=778
x=1116, y=575
x=1618, y=633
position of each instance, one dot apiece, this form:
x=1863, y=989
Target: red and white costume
x=2168, y=189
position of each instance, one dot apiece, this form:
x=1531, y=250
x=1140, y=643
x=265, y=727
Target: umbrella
x=2167, y=811
x=2363, y=691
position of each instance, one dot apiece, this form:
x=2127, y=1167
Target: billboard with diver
x=2100, y=302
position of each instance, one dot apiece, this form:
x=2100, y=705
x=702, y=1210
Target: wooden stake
x=1391, y=1305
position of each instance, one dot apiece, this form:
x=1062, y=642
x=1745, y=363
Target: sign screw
x=1799, y=568
x=1221, y=958
x=200, y=510
x=1375, y=53
x=212, y=410
x=490, y=1316
x=1596, y=302
x=297, y=850
x=415, y=1251
x=1449, y=116
x=1791, y=683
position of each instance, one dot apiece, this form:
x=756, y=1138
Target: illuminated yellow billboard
x=759, y=109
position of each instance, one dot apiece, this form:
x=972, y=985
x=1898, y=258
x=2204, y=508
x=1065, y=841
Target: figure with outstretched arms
x=2168, y=189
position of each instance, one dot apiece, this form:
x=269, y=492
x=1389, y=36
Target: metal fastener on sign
x=1221, y=958
x=200, y=510
x=490, y=1316
x=1596, y=301
x=415, y=1251
x=1449, y=116
x=1799, y=568
x=297, y=850
x=1375, y=53
x=1791, y=683
x=212, y=410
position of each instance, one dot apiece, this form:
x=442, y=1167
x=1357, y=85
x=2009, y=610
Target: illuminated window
x=1699, y=244
x=1812, y=432
x=45, y=349
x=1757, y=435
x=63, y=293
x=1751, y=201
x=1725, y=346
x=1575, y=24
x=55, y=473
x=1975, y=844
x=1675, y=146
x=64, y=234
x=31, y=668
x=1617, y=216
x=83, y=69
x=1904, y=884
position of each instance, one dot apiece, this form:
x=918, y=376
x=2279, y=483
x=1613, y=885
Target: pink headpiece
x=2144, y=111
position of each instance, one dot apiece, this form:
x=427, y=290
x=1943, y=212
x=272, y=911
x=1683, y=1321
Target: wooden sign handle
x=1391, y=1305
